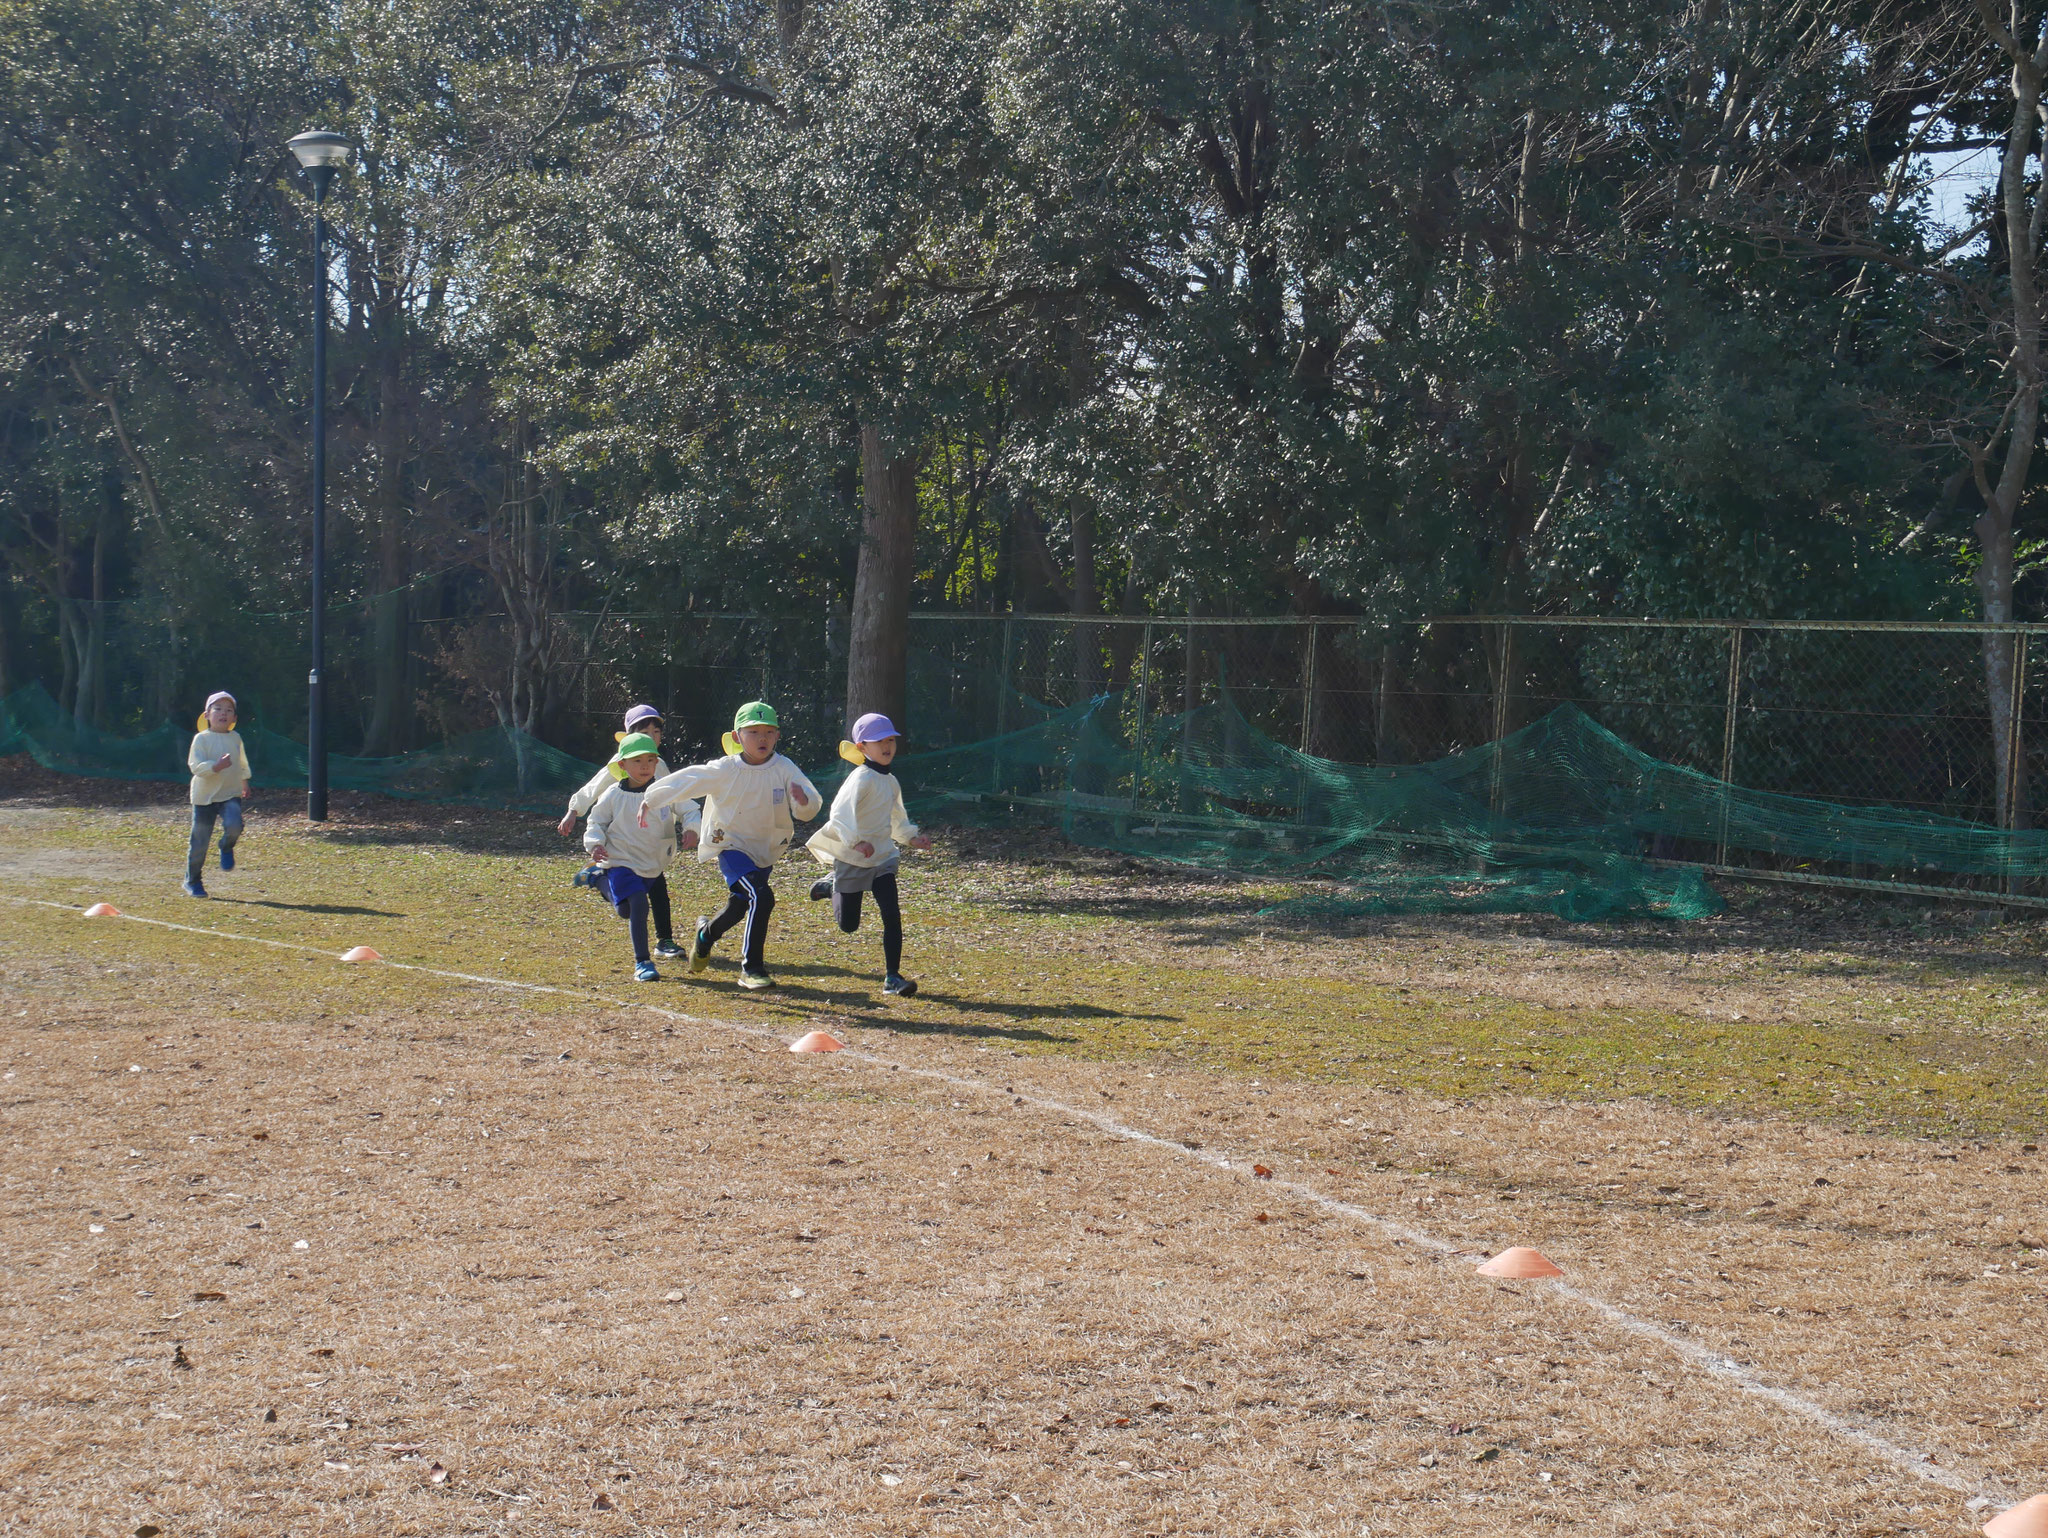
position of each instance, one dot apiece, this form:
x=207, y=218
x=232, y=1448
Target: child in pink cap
x=220, y=783
x=863, y=840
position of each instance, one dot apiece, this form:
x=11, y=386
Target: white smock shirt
x=747, y=807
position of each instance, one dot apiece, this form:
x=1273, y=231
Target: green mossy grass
x=1009, y=952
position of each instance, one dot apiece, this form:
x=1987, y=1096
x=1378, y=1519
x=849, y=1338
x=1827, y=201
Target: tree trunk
x=879, y=640
x=2021, y=213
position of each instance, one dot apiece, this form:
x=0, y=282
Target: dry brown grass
x=555, y=1246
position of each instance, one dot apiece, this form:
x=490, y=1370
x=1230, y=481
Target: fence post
x=1379, y=716
x=1308, y=687
x=1140, y=759
x=995, y=760
x=1734, y=701
x=1500, y=715
x=2015, y=755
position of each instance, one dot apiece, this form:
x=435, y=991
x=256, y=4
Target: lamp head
x=322, y=154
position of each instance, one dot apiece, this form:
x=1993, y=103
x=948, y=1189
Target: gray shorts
x=861, y=878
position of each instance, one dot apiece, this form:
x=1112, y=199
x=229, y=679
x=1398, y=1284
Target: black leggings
x=657, y=905
x=753, y=899
x=846, y=909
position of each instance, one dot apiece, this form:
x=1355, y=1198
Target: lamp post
x=322, y=154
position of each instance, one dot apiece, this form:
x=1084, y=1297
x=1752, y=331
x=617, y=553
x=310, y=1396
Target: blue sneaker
x=227, y=857
x=643, y=972
x=193, y=888
x=587, y=876
x=902, y=987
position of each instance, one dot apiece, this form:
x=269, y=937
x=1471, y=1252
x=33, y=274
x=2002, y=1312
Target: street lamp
x=322, y=154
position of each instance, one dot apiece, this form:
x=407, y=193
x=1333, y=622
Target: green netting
x=487, y=768
x=1562, y=816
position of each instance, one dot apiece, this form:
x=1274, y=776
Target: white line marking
x=1908, y=1459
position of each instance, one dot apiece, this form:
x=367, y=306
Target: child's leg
x=230, y=823
x=846, y=909
x=657, y=906
x=202, y=835
x=754, y=955
x=892, y=922
x=737, y=906
x=636, y=919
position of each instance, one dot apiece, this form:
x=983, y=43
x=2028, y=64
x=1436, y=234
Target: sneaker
x=749, y=978
x=587, y=876
x=227, y=857
x=899, y=985
x=700, y=952
x=667, y=950
x=821, y=889
x=643, y=972
x=193, y=888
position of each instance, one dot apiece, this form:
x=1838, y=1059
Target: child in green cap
x=751, y=797
x=630, y=852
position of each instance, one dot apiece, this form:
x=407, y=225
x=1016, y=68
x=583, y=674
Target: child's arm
x=242, y=758
x=691, y=781
x=584, y=799
x=901, y=828
x=596, y=829
x=197, y=764
x=804, y=799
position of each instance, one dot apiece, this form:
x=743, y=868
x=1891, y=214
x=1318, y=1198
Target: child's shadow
x=341, y=908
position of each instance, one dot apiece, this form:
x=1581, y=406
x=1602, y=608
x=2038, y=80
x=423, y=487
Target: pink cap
x=217, y=696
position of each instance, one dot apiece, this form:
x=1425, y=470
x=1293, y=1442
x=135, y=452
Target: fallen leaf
x=257, y=1137
x=891, y=1479
x=179, y=1359
x=1484, y=1455
x=1262, y=1218
x=147, y=1530
x=602, y=1503
x=332, y=1465
x=321, y=1351
x=209, y=1297
x=1428, y=1460
x=1329, y=1172
x=672, y=1297
x=436, y=1475
x=1121, y=1420
x=270, y=1417
x=1262, y=1172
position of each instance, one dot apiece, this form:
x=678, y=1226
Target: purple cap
x=873, y=727
x=641, y=713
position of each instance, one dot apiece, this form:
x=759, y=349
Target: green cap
x=756, y=713
x=634, y=746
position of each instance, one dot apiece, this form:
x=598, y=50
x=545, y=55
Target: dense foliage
x=1144, y=306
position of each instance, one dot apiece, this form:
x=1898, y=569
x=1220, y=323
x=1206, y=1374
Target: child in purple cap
x=645, y=720
x=220, y=783
x=862, y=842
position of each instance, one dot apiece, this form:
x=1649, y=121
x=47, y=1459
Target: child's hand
x=567, y=825
x=689, y=839
x=599, y=855
x=922, y=841
x=643, y=812
x=796, y=794
x=867, y=850
x=222, y=762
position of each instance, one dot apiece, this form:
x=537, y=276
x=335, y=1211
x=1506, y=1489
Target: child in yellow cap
x=220, y=784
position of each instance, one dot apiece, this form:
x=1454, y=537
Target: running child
x=862, y=841
x=632, y=851
x=646, y=720
x=750, y=798
x=220, y=784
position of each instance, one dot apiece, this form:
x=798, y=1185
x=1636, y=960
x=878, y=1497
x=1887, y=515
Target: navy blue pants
x=753, y=900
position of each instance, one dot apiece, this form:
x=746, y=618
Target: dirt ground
x=295, y=1246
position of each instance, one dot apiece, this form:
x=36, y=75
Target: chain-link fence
x=1895, y=716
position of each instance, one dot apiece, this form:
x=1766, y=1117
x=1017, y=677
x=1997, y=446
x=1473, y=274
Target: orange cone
x=1520, y=1263
x=2029, y=1519
x=360, y=953
x=103, y=911
x=817, y=1041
